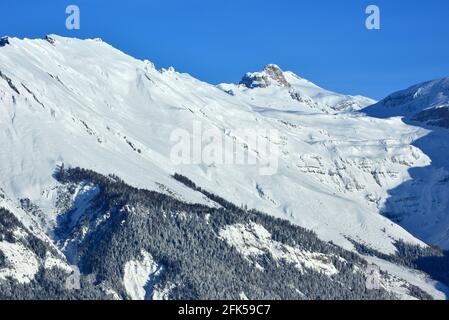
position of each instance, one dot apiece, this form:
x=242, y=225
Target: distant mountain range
x=88, y=183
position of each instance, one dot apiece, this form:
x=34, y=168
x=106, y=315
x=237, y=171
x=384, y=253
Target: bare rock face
x=50, y=39
x=270, y=75
x=4, y=41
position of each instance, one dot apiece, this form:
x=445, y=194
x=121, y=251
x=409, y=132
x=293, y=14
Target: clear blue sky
x=219, y=40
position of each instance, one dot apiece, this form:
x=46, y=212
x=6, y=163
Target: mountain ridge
x=84, y=104
x=98, y=123
x=427, y=102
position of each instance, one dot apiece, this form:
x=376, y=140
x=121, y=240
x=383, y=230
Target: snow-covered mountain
x=276, y=89
x=426, y=102
x=82, y=103
x=420, y=204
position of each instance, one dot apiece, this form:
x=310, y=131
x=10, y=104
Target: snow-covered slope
x=22, y=254
x=421, y=204
x=84, y=103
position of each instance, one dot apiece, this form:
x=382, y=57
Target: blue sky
x=217, y=41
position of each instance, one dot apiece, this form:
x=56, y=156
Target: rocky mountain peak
x=271, y=75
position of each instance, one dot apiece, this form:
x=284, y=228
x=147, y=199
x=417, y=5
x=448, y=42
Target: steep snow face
x=421, y=203
x=274, y=88
x=84, y=103
x=139, y=278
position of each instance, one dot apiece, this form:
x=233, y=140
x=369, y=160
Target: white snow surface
x=22, y=263
x=84, y=103
x=138, y=274
x=253, y=240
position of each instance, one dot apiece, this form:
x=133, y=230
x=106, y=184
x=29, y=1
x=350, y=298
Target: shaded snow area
x=421, y=203
x=78, y=214
x=22, y=263
x=254, y=240
x=396, y=279
x=82, y=197
x=414, y=100
x=140, y=277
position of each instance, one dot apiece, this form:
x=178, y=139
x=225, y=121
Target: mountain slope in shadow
x=421, y=204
